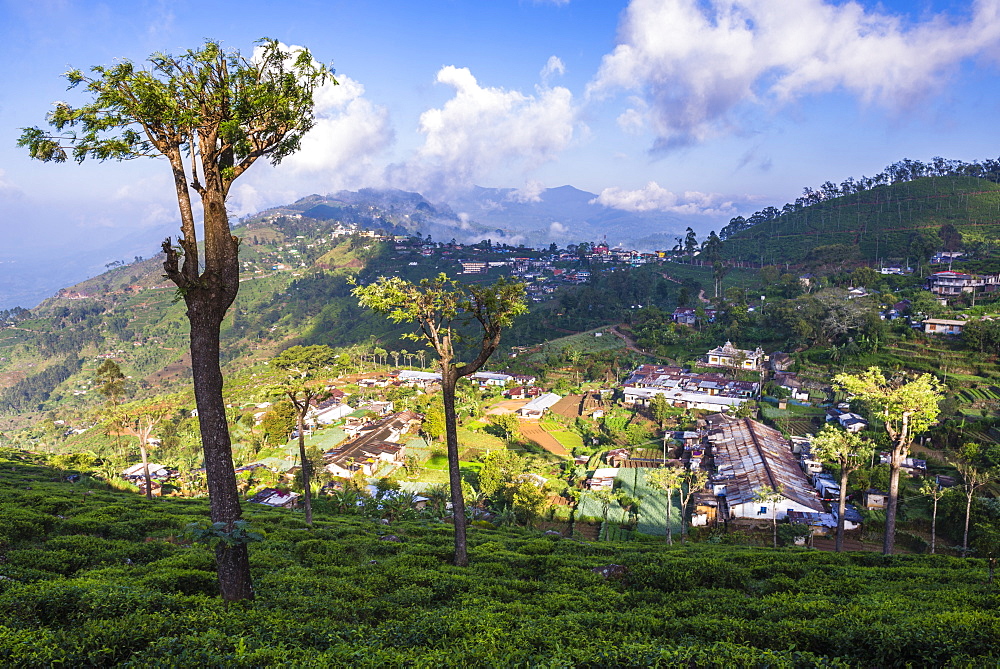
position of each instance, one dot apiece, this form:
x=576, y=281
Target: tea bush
x=115, y=583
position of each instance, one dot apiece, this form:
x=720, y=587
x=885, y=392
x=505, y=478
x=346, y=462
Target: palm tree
x=422, y=354
x=346, y=500
x=395, y=358
x=437, y=499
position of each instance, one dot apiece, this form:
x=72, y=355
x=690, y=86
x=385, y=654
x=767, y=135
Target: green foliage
x=501, y=469
x=218, y=533
x=339, y=595
x=891, y=219
x=278, y=422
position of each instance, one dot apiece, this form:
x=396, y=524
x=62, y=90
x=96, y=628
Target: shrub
x=23, y=524
x=182, y=581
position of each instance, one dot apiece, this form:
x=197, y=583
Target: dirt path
x=534, y=432
x=505, y=406
x=850, y=544
x=629, y=344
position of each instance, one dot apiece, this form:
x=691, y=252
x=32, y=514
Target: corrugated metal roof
x=758, y=457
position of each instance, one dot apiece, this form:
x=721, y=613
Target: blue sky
x=699, y=107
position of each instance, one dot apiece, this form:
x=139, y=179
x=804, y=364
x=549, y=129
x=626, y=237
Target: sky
x=711, y=108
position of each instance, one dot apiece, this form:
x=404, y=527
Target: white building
x=537, y=407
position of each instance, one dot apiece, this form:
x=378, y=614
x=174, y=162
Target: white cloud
x=482, y=131
x=341, y=151
x=350, y=132
x=554, y=67
x=556, y=228
x=654, y=197
x=696, y=62
x=161, y=20
x=531, y=192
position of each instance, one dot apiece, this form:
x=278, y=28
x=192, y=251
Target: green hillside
x=93, y=577
x=871, y=225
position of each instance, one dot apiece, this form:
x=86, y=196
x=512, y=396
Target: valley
x=627, y=365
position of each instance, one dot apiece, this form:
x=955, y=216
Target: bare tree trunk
x=934, y=525
x=145, y=469
x=889, y=538
x=968, y=513
x=841, y=509
x=774, y=525
x=233, y=562
x=449, y=378
x=306, y=473
x=670, y=535
x=896, y=462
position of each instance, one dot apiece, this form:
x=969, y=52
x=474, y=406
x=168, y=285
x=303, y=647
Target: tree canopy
x=212, y=113
x=442, y=310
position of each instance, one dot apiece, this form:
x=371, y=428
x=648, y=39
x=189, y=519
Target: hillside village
x=356, y=403
x=671, y=385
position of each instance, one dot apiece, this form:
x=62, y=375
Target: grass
x=436, y=470
x=569, y=440
x=652, y=504
x=585, y=342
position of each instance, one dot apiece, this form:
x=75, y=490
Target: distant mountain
x=563, y=215
x=566, y=215
x=28, y=277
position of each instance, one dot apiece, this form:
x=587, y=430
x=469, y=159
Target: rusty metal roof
x=757, y=456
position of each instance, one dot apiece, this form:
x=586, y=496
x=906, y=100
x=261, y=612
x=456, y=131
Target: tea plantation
x=93, y=577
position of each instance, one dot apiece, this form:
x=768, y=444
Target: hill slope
x=92, y=577
x=879, y=223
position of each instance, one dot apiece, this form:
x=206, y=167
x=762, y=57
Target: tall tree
x=905, y=409
x=974, y=476
x=111, y=384
x=300, y=365
x=933, y=489
x=951, y=238
x=770, y=497
x=139, y=419
x=110, y=381
x=442, y=308
x=690, y=242
x=848, y=451
x=691, y=482
x=667, y=479
x=211, y=113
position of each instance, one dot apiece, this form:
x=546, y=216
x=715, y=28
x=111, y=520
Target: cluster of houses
x=744, y=458
x=950, y=284
x=709, y=392
x=375, y=445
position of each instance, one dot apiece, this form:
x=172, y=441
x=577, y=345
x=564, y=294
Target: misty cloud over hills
x=563, y=215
